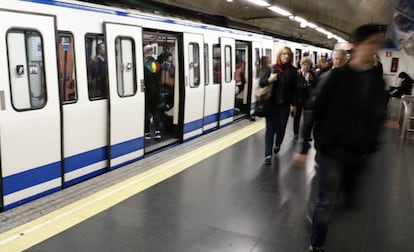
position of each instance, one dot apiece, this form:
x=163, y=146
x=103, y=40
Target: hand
x=272, y=77
x=292, y=110
x=299, y=160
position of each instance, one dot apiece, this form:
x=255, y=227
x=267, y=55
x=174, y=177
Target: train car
x=72, y=96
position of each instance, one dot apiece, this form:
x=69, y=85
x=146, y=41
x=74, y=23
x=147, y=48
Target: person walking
x=349, y=113
x=284, y=77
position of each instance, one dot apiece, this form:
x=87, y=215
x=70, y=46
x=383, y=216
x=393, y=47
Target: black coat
x=285, y=88
x=349, y=112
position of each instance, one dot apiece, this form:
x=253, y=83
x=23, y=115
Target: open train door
x=127, y=107
x=257, y=55
x=228, y=84
x=30, y=137
x=194, y=85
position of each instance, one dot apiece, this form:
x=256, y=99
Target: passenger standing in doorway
x=305, y=85
x=284, y=77
x=167, y=80
x=349, y=113
x=152, y=76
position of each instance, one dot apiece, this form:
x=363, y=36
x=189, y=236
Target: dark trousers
x=151, y=109
x=334, y=176
x=296, y=119
x=276, y=124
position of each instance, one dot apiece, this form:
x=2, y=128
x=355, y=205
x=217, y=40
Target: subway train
x=72, y=96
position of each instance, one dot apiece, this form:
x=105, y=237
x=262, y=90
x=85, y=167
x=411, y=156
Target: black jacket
x=349, y=112
x=285, y=88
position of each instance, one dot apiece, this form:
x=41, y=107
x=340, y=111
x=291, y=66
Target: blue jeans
x=276, y=124
x=334, y=176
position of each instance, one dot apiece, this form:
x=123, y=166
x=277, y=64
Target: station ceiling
x=337, y=16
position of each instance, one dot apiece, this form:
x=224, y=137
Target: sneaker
x=276, y=149
x=268, y=160
x=315, y=249
x=148, y=136
x=157, y=135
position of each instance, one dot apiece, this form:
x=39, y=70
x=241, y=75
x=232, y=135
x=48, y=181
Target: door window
x=26, y=69
x=67, y=75
x=125, y=67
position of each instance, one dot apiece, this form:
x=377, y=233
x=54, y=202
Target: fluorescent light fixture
x=299, y=19
x=259, y=2
x=229, y=1
x=312, y=25
x=279, y=10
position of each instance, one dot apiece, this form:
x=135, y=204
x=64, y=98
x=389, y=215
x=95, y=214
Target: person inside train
x=404, y=88
x=97, y=79
x=152, y=78
x=240, y=82
x=349, y=113
x=284, y=77
x=167, y=80
x=305, y=85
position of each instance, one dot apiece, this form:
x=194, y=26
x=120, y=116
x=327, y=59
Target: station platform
x=213, y=194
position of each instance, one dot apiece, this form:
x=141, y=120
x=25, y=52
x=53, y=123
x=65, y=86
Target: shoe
x=148, y=136
x=268, y=160
x=315, y=249
x=276, y=149
x=157, y=135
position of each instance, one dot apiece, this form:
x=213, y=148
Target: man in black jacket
x=348, y=111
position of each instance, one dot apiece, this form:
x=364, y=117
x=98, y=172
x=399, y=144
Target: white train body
x=55, y=133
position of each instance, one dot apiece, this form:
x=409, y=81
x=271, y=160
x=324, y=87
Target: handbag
x=262, y=108
x=263, y=93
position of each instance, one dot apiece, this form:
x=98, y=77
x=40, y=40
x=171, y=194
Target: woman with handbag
x=283, y=77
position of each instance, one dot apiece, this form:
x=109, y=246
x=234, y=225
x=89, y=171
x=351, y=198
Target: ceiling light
x=312, y=25
x=279, y=11
x=259, y=2
x=229, y=1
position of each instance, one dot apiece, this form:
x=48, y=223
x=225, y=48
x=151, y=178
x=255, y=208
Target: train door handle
x=2, y=101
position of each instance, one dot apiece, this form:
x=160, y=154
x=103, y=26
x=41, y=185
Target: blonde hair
x=305, y=60
x=279, y=55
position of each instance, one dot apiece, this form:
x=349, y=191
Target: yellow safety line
x=38, y=230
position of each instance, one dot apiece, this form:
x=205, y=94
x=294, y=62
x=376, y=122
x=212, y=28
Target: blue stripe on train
x=32, y=177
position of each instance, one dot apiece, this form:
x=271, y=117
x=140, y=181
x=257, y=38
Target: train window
x=27, y=73
x=125, y=67
x=95, y=51
x=216, y=64
x=194, y=67
x=67, y=75
x=228, y=64
x=268, y=53
x=206, y=66
x=257, y=62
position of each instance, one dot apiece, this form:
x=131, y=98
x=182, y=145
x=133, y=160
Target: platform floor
x=225, y=201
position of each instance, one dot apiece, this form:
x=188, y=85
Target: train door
x=242, y=79
x=126, y=97
x=30, y=140
x=228, y=52
x=256, y=56
x=163, y=106
x=212, y=86
x=194, y=85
